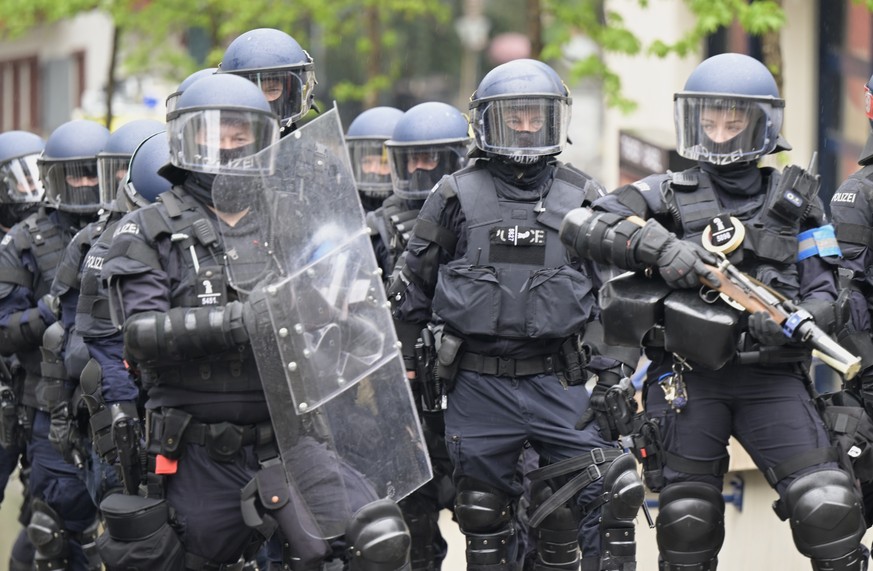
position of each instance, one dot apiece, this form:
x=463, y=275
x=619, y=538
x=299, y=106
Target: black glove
x=681, y=264
x=765, y=330
x=64, y=435
x=598, y=410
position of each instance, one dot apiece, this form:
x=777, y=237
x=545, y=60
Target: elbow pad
x=22, y=332
x=183, y=333
x=603, y=237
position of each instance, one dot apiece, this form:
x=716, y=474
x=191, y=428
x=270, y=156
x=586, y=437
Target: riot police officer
x=276, y=63
x=429, y=141
x=63, y=524
x=732, y=375
x=485, y=258
x=852, y=212
x=21, y=194
x=365, y=139
x=184, y=329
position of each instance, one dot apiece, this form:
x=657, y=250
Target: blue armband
x=820, y=241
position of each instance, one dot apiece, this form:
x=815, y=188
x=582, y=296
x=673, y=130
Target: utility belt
x=171, y=428
x=501, y=367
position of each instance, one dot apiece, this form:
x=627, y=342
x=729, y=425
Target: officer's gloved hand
x=64, y=435
x=765, y=330
x=598, y=410
x=681, y=264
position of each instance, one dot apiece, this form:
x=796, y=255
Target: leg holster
x=270, y=502
x=138, y=535
x=378, y=538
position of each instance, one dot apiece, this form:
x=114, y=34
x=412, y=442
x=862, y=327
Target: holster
x=449, y=359
x=10, y=428
x=575, y=362
x=269, y=502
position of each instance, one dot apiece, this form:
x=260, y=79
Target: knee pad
x=826, y=519
x=557, y=543
x=137, y=533
x=623, y=494
x=378, y=538
x=48, y=536
x=485, y=517
x=690, y=526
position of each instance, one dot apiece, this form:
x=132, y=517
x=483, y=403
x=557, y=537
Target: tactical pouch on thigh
x=705, y=333
x=630, y=306
x=10, y=428
x=138, y=535
x=851, y=430
x=449, y=359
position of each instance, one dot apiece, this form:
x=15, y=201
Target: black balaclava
x=741, y=179
x=199, y=185
x=523, y=177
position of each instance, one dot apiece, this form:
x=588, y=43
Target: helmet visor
x=111, y=171
x=21, y=180
x=289, y=91
x=223, y=141
x=534, y=126
x=415, y=169
x=724, y=130
x=71, y=185
x=370, y=165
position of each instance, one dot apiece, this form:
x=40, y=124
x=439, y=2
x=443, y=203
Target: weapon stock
x=797, y=323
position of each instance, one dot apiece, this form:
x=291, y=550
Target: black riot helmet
x=221, y=125
x=173, y=98
x=113, y=160
x=430, y=140
x=68, y=166
x=142, y=184
x=21, y=189
x=276, y=63
x=521, y=110
x=365, y=140
x=729, y=111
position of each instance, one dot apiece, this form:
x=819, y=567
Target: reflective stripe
x=820, y=241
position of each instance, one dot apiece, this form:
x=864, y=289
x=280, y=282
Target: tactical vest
x=182, y=221
x=515, y=279
x=769, y=250
x=93, y=318
x=859, y=234
x=69, y=275
x=393, y=222
x=46, y=242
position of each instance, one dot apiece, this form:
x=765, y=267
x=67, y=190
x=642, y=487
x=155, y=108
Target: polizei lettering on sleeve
x=515, y=236
x=844, y=197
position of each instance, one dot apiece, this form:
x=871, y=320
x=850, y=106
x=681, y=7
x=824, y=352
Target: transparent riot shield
x=321, y=329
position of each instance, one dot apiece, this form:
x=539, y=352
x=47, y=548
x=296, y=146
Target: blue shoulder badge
x=820, y=241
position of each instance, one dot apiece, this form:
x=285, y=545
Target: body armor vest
x=46, y=242
x=93, y=318
x=515, y=279
x=769, y=250
x=393, y=222
x=183, y=222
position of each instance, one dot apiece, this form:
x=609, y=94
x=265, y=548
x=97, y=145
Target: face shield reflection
x=370, y=166
x=415, y=169
x=21, y=180
x=724, y=130
x=527, y=127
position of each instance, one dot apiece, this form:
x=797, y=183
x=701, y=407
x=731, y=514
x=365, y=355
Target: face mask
x=199, y=185
x=423, y=181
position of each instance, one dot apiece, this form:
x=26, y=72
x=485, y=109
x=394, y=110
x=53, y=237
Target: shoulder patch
x=641, y=185
x=6, y=239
